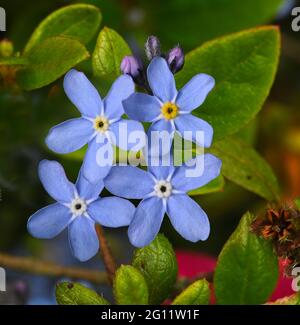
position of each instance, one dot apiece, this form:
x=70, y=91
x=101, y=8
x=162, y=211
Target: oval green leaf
x=157, y=262
x=50, y=60
x=108, y=54
x=79, y=21
x=244, y=66
x=242, y=165
x=130, y=287
x=197, y=293
x=247, y=269
x=68, y=293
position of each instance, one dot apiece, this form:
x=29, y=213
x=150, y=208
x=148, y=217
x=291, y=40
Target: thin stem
x=107, y=256
x=31, y=265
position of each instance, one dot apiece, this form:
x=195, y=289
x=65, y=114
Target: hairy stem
x=105, y=251
x=34, y=266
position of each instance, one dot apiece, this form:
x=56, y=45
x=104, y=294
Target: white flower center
x=101, y=123
x=163, y=189
x=78, y=207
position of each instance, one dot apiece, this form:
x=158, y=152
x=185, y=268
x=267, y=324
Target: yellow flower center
x=101, y=124
x=169, y=110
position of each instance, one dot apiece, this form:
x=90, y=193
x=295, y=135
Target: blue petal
x=112, y=212
x=142, y=107
x=91, y=169
x=129, y=182
x=83, y=238
x=82, y=93
x=55, y=182
x=49, y=221
x=188, y=125
x=160, y=137
x=128, y=130
x=186, y=216
x=70, y=135
x=208, y=164
x=121, y=89
x=146, y=222
x=161, y=167
x=193, y=94
x=161, y=80
x=86, y=189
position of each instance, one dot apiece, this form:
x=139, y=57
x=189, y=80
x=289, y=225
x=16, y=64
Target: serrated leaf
x=209, y=18
x=247, y=268
x=291, y=300
x=130, y=287
x=108, y=54
x=242, y=165
x=213, y=186
x=244, y=66
x=198, y=293
x=79, y=21
x=157, y=262
x=50, y=60
x=69, y=293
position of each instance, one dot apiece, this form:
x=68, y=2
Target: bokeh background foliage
x=220, y=37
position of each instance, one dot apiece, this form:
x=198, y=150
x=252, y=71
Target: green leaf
x=247, y=269
x=79, y=21
x=291, y=300
x=207, y=19
x=216, y=185
x=244, y=66
x=50, y=60
x=242, y=165
x=157, y=262
x=197, y=293
x=108, y=54
x=68, y=293
x=130, y=287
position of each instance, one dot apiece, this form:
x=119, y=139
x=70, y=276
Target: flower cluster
x=162, y=189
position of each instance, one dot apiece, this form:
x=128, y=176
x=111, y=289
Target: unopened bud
x=131, y=65
x=152, y=47
x=6, y=48
x=175, y=59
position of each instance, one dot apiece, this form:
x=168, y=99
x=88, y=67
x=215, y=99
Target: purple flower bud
x=152, y=47
x=131, y=65
x=175, y=59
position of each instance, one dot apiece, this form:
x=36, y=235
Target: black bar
x=133, y=314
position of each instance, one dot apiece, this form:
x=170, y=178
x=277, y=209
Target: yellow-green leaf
x=130, y=287
x=108, y=54
x=197, y=293
x=79, y=21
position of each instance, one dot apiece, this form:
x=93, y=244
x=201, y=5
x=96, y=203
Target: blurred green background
x=25, y=117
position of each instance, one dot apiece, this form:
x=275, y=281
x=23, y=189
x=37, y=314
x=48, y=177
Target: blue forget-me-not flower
x=168, y=109
x=78, y=208
x=99, y=125
x=163, y=189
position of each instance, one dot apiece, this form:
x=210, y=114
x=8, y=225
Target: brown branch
x=31, y=265
x=106, y=254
